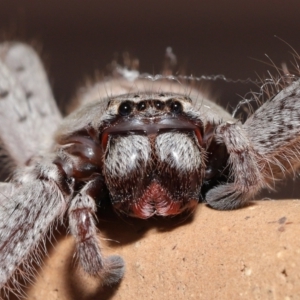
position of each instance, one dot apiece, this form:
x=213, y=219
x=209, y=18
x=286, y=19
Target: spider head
x=154, y=159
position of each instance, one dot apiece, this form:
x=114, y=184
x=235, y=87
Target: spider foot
x=226, y=197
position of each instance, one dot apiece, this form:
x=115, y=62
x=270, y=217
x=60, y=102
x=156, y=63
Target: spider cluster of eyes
x=171, y=105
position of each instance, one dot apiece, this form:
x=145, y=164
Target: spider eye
x=141, y=105
x=125, y=108
x=176, y=107
x=159, y=104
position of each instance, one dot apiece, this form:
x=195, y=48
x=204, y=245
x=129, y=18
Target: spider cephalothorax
x=150, y=153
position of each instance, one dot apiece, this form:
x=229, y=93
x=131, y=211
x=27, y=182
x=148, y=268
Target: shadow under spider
x=120, y=231
x=124, y=230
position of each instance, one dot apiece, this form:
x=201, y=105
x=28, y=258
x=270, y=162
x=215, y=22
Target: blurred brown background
x=209, y=37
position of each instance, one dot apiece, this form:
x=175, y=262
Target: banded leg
x=82, y=225
x=263, y=150
x=28, y=112
x=30, y=206
x=245, y=173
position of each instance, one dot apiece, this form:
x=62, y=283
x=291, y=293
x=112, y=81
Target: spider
x=158, y=148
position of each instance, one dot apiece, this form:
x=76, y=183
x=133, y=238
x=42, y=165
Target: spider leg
x=266, y=148
x=30, y=205
x=82, y=225
x=274, y=130
x=245, y=174
x=28, y=113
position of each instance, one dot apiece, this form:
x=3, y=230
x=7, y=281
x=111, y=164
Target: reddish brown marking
x=156, y=201
x=199, y=136
x=89, y=153
x=83, y=225
x=104, y=140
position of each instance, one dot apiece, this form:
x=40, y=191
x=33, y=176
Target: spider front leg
x=83, y=228
x=244, y=174
x=30, y=206
x=28, y=113
x=80, y=156
x=265, y=149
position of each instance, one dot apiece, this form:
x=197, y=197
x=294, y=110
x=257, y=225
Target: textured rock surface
x=250, y=253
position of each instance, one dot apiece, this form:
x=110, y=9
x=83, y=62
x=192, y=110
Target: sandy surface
x=250, y=253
